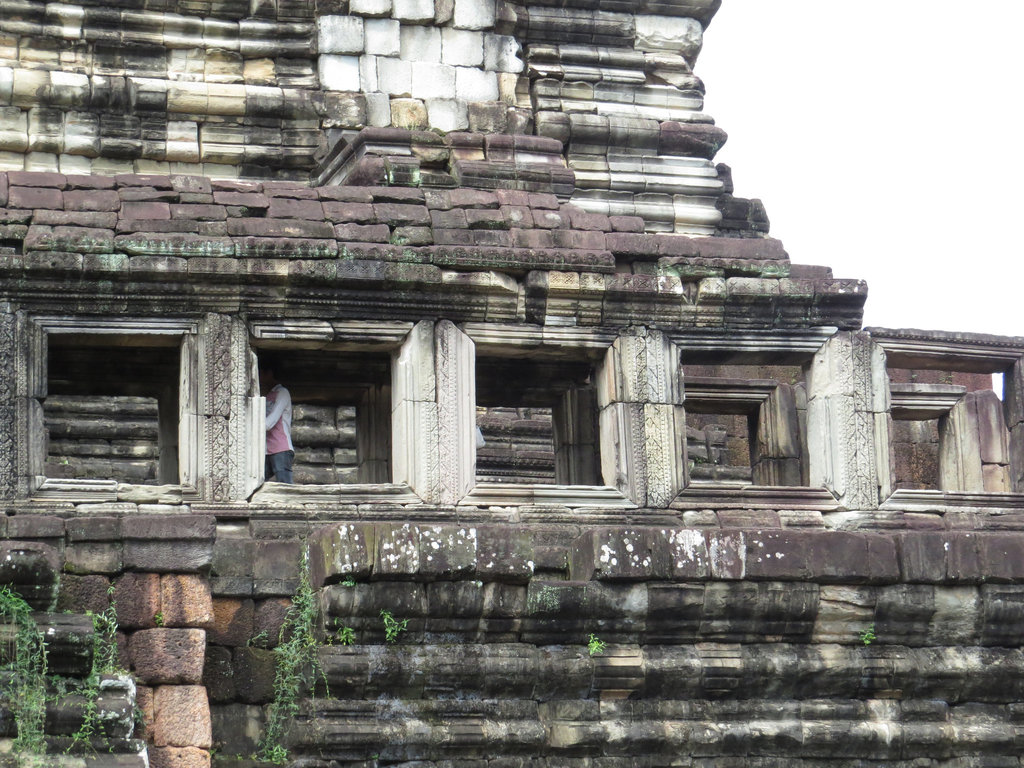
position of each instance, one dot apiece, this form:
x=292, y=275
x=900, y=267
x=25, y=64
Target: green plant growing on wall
x=867, y=636
x=392, y=627
x=25, y=665
x=297, y=666
x=104, y=662
x=158, y=618
x=345, y=636
x=595, y=646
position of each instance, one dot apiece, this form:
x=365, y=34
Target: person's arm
x=282, y=400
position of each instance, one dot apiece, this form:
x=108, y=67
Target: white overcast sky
x=885, y=139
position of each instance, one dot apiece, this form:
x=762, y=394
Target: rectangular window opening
x=341, y=414
x=536, y=422
x=746, y=424
x=949, y=431
x=111, y=410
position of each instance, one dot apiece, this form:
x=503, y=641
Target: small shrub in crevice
x=392, y=627
x=595, y=646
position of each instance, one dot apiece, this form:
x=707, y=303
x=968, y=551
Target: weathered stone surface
x=168, y=656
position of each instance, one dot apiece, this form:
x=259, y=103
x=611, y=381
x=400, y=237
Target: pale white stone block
x=6, y=84
x=433, y=81
x=501, y=53
x=12, y=161
x=413, y=11
x=81, y=133
x=41, y=162
x=462, y=47
x=475, y=85
x=74, y=164
x=371, y=8
x=339, y=34
x=70, y=89
x=421, y=44
x=338, y=73
x=382, y=37
x=394, y=76
x=473, y=14
x=669, y=33
x=447, y=114
x=368, y=74
x=13, y=129
x=378, y=110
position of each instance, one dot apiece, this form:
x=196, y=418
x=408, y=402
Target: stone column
x=642, y=421
x=433, y=401
x=847, y=420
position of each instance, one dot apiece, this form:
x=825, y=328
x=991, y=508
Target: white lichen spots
x=945, y=546
x=688, y=548
x=529, y=564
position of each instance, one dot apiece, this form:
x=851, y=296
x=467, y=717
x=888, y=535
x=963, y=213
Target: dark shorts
x=280, y=466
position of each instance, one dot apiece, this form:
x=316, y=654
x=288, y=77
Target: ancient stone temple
x=587, y=474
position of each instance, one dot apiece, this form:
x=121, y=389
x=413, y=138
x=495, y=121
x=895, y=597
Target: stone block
x=232, y=622
x=502, y=53
x=218, y=675
x=410, y=114
x=394, y=77
x=447, y=114
x=463, y=48
x=339, y=551
x=339, y=34
x=178, y=757
x=181, y=717
x=185, y=601
x=677, y=34
x=397, y=552
x=473, y=14
x=168, y=556
x=382, y=37
x=447, y=551
x=475, y=85
x=254, y=670
x=94, y=557
x=269, y=619
x=237, y=728
x=137, y=596
x=619, y=554
x=413, y=11
x=168, y=656
x=277, y=559
x=81, y=594
x=338, y=72
x=432, y=81
x=378, y=109
x=370, y=8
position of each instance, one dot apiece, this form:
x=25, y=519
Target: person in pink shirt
x=280, y=451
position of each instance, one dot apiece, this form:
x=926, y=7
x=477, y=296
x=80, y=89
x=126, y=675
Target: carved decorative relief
x=8, y=415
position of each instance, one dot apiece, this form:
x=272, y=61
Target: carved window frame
x=639, y=415
x=376, y=337
x=35, y=331
x=749, y=348
x=966, y=353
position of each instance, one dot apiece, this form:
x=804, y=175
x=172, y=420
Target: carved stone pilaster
x=8, y=442
x=847, y=393
x=215, y=391
x=414, y=457
x=455, y=363
x=245, y=423
x=641, y=418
